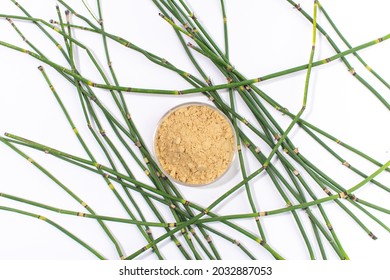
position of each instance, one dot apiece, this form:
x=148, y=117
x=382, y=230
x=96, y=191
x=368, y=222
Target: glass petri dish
x=194, y=144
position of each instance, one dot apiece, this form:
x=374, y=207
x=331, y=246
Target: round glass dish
x=194, y=144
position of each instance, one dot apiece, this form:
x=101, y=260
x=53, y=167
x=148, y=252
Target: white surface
x=265, y=36
x=46, y=270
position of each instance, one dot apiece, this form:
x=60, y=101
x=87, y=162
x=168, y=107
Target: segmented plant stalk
x=57, y=226
x=347, y=64
x=372, y=71
x=292, y=188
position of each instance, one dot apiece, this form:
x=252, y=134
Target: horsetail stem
x=347, y=64
x=128, y=120
x=57, y=226
x=51, y=151
x=186, y=91
x=67, y=190
x=310, y=64
x=85, y=215
x=82, y=142
x=321, y=7
x=163, y=191
x=204, y=211
x=51, y=38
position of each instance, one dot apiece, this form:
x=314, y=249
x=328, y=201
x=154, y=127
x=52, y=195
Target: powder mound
x=194, y=144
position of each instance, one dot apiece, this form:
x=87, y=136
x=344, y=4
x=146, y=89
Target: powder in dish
x=194, y=144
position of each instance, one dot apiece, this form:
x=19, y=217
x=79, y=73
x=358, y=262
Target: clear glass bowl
x=189, y=104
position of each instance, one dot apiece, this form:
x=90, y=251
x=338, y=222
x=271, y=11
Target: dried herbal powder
x=194, y=144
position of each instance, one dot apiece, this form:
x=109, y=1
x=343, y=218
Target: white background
x=265, y=37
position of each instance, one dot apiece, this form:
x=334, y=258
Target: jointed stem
x=57, y=226
x=310, y=64
x=349, y=46
x=344, y=59
x=293, y=189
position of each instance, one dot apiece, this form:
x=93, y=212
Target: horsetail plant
x=189, y=225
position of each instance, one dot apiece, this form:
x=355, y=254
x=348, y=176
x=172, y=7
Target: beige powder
x=194, y=144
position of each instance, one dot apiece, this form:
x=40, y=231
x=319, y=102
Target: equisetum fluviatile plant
x=298, y=190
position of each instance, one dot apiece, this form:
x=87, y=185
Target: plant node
x=372, y=236
x=297, y=6
x=343, y=195
x=346, y=163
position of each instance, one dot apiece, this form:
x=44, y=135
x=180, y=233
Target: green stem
x=57, y=226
